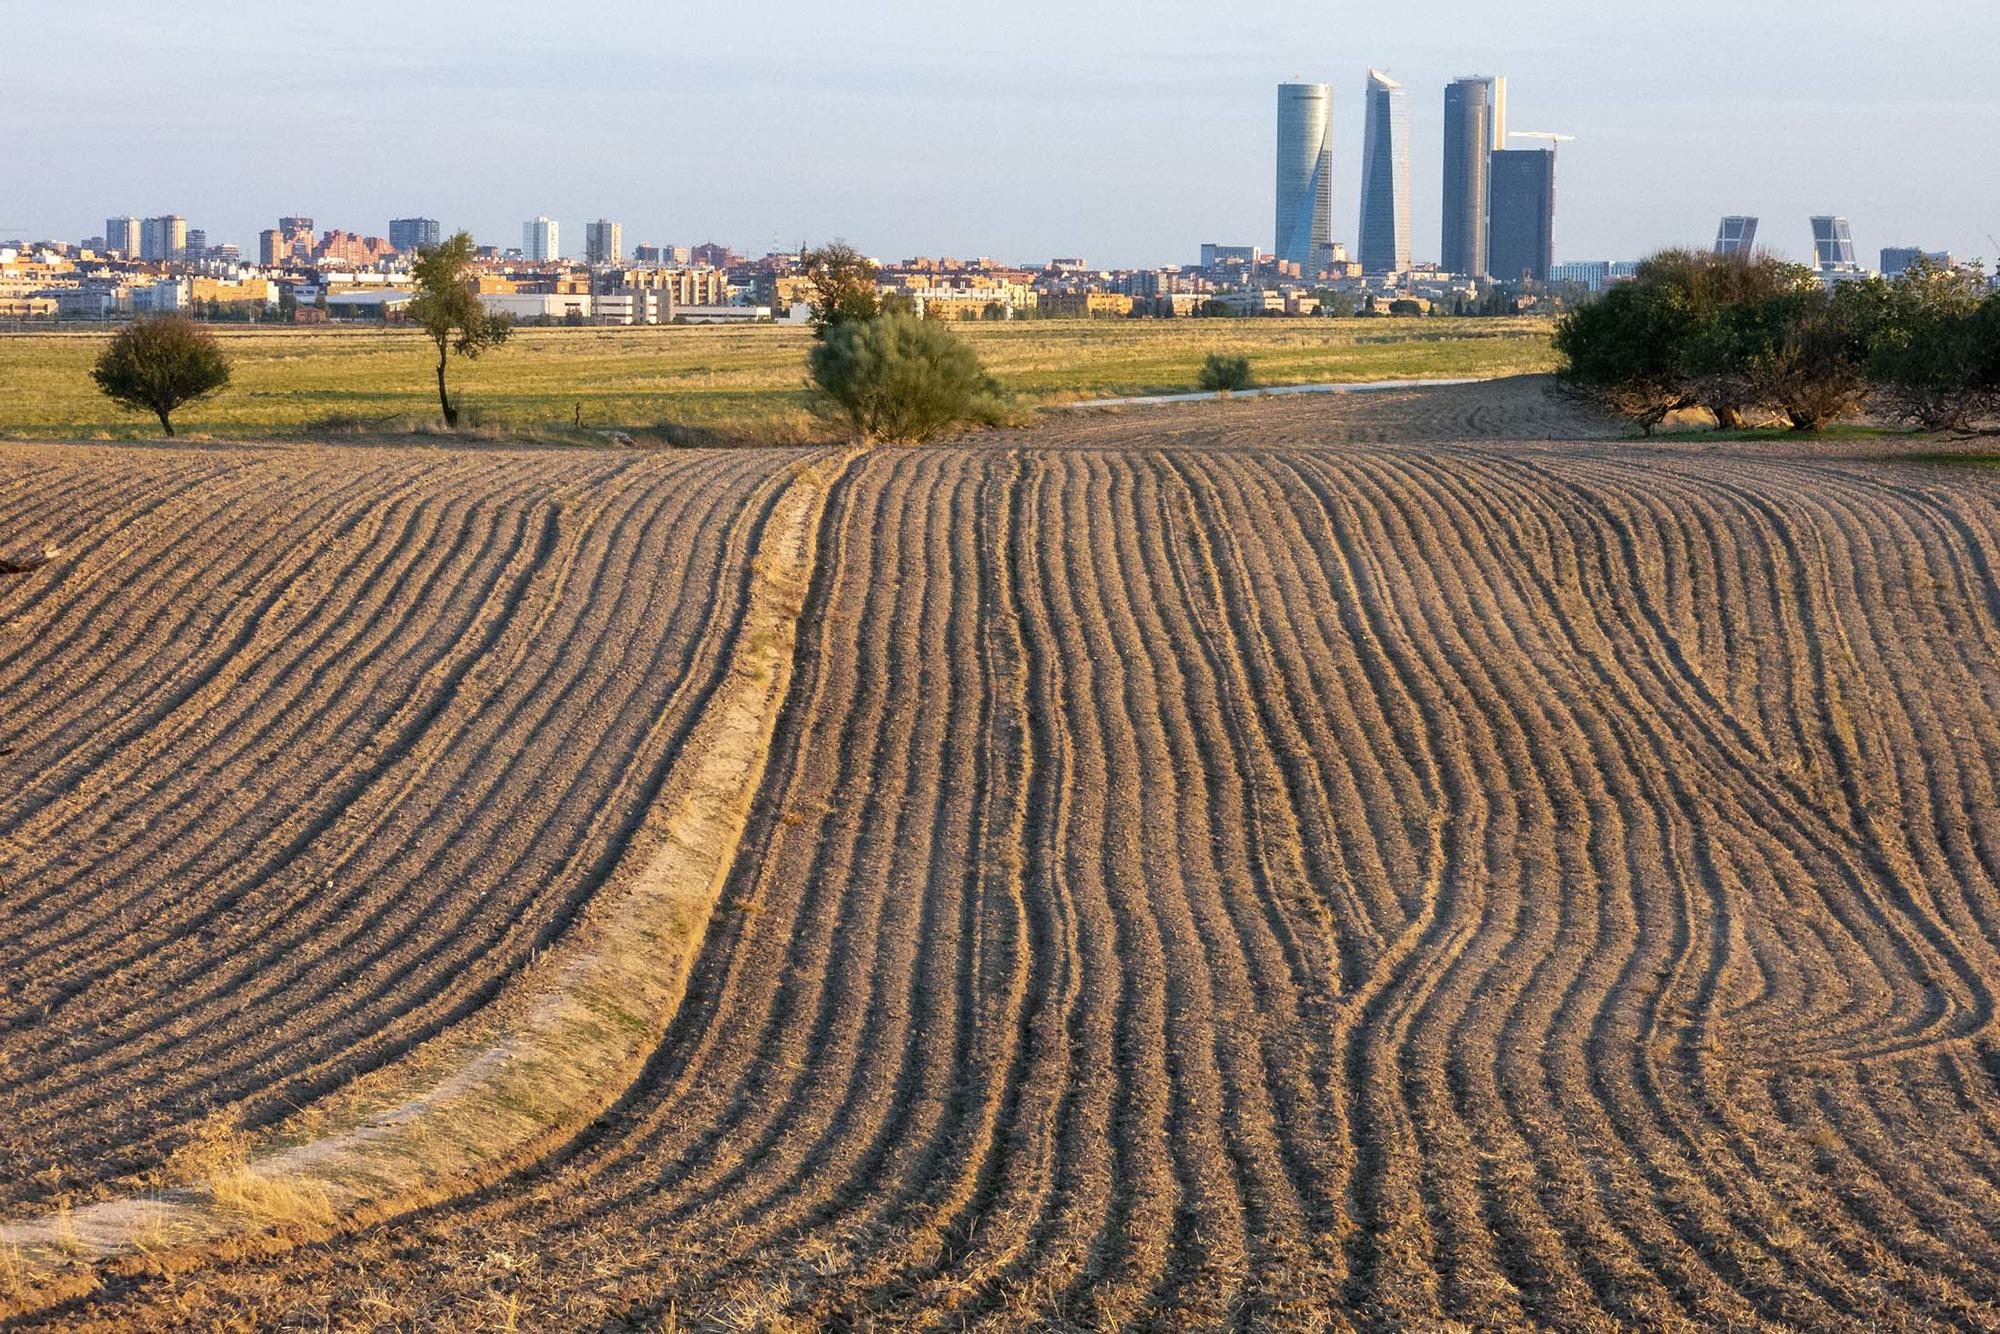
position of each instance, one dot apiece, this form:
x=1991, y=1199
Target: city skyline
x=930, y=161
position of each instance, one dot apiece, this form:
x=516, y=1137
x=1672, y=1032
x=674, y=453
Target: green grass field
x=692, y=383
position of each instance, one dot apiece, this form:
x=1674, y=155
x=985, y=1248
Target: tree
x=1933, y=359
x=159, y=364
x=1405, y=306
x=1803, y=353
x=902, y=379
x=1622, y=353
x=843, y=283
x=448, y=309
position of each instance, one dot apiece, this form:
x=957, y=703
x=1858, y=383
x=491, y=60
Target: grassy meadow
x=694, y=383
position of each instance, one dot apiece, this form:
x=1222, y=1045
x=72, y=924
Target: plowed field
x=1339, y=863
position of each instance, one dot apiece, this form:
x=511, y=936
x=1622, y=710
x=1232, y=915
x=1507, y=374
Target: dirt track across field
x=1308, y=864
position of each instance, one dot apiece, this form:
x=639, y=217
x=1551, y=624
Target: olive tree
x=448, y=309
x=161, y=363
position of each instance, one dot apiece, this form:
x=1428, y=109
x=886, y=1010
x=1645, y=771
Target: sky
x=1126, y=133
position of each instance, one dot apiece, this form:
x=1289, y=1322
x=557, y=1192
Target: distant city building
x=1833, y=247
x=352, y=248
x=1474, y=126
x=163, y=238
x=1385, y=178
x=290, y=242
x=123, y=235
x=646, y=254
x=541, y=240
x=1305, y=174
x=1901, y=259
x=710, y=255
x=1214, y=256
x=1524, y=214
x=1596, y=274
x=603, y=242
x=1737, y=236
x=197, y=243
x=410, y=235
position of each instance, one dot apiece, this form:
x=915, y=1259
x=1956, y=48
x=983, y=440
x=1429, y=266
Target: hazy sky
x=1128, y=133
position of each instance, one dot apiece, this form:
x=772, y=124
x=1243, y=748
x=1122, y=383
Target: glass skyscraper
x=1385, y=178
x=1737, y=236
x=1833, y=244
x=1305, y=175
x=1475, y=124
x=1524, y=214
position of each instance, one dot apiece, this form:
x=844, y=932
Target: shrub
x=898, y=378
x=160, y=364
x=1625, y=352
x=1221, y=374
x=1936, y=355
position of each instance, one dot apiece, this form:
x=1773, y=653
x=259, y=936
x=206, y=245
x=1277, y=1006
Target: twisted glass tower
x=1305, y=175
x=1385, y=178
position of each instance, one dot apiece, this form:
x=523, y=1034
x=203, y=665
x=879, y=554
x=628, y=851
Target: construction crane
x=1542, y=134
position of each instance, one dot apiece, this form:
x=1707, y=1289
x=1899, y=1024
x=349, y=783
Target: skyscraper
x=1385, y=178
x=541, y=240
x=603, y=242
x=1474, y=115
x=1524, y=214
x=1833, y=245
x=122, y=235
x=163, y=238
x=410, y=235
x=1737, y=236
x=1305, y=174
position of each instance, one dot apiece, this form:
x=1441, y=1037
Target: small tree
x=1931, y=359
x=160, y=364
x=1221, y=374
x=448, y=310
x=1802, y=353
x=902, y=379
x=843, y=283
x=1621, y=353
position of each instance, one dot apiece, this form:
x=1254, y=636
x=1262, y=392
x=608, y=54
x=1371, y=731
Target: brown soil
x=1217, y=867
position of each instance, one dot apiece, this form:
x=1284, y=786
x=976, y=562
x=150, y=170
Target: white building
x=537, y=305
x=541, y=240
x=160, y=297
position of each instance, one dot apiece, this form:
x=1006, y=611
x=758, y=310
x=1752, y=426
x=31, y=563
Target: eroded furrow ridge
x=1201, y=883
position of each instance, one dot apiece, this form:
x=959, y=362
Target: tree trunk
x=165, y=425
x=444, y=399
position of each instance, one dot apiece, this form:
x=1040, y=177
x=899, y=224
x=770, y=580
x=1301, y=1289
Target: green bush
x=898, y=378
x=1936, y=356
x=1222, y=374
x=159, y=364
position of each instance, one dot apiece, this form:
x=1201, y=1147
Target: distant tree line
x=1755, y=338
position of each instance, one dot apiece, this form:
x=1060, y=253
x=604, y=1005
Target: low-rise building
x=385, y=304
x=1087, y=305
x=537, y=305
